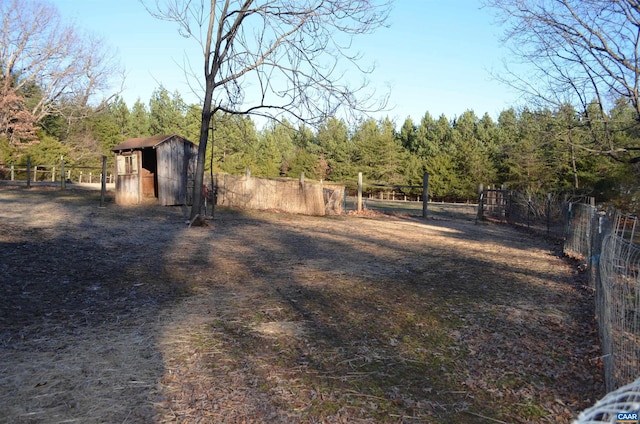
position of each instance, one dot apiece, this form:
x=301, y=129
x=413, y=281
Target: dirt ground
x=127, y=315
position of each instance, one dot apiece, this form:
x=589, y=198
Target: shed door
x=171, y=173
x=149, y=183
x=127, y=178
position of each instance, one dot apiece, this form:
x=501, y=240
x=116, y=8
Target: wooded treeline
x=534, y=151
x=57, y=98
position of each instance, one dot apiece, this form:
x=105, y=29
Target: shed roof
x=144, y=142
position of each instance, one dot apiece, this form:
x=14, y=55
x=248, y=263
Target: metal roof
x=144, y=142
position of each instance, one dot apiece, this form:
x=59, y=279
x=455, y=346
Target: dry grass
x=127, y=315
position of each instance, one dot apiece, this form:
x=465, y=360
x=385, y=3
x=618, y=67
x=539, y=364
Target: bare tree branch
x=276, y=58
x=582, y=53
x=70, y=72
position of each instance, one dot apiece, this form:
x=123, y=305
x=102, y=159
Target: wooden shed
x=157, y=169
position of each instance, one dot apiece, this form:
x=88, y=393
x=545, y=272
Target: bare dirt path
x=127, y=315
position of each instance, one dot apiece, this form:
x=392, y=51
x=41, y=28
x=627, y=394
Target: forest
x=533, y=151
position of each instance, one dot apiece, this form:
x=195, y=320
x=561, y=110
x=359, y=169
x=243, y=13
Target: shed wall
x=175, y=160
x=162, y=171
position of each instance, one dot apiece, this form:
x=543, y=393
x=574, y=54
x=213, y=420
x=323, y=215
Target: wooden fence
x=53, y=173
x=288, y=195
x=392, y=191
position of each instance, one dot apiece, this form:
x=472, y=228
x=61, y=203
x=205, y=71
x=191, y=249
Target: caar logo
x=627, y=417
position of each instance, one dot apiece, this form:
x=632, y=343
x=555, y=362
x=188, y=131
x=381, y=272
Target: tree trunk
x=196, y=207
x=574, y=168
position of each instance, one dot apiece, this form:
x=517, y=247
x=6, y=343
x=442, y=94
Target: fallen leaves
x=266, y=317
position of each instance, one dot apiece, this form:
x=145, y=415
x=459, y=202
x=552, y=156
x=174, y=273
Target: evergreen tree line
x=533, y=151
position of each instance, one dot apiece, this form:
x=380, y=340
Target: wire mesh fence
x=607, y=245
x=546, y=214
x=579, y=232
x=618, y=300
x=621, y=405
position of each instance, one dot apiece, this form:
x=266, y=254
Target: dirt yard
x=127, y=315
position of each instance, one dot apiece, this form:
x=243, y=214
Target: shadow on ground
x=127, y=315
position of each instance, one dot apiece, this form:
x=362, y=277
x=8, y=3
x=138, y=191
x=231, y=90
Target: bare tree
x=64, y=72
x=584, y=53
x=275, y=58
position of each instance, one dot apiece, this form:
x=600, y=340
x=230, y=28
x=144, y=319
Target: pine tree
x=139, y=121
x=336, y=149
x=166, y=113
x=236, y=144
x=378, y=153
x=408, y=137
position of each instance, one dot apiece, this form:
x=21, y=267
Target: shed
x=157, y=169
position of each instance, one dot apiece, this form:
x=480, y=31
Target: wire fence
x=547, y=214
x=617, y=406
x=618, y=300
x=607, y=245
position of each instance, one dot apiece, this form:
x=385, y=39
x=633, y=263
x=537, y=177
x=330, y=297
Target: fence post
x=479, y=215
x=103, y=188
x=12, y=173
x=425, y=194
x=62, y=180
x=359, y=192
x=53, y=174
x=28, y=171
x=529, y=208
x=591, y=235
x=302, y=179
x=344, y=200
x=35, y=172
x=548, y=213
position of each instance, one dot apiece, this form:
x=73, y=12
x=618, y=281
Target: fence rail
x=52, y=173
x=607, y=244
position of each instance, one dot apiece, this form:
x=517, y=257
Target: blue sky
x=437, y=55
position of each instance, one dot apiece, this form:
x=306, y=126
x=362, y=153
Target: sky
x=436, y=56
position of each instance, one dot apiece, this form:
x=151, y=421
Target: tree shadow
x=81, y=285
x=377, y=325
x=125, y=314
